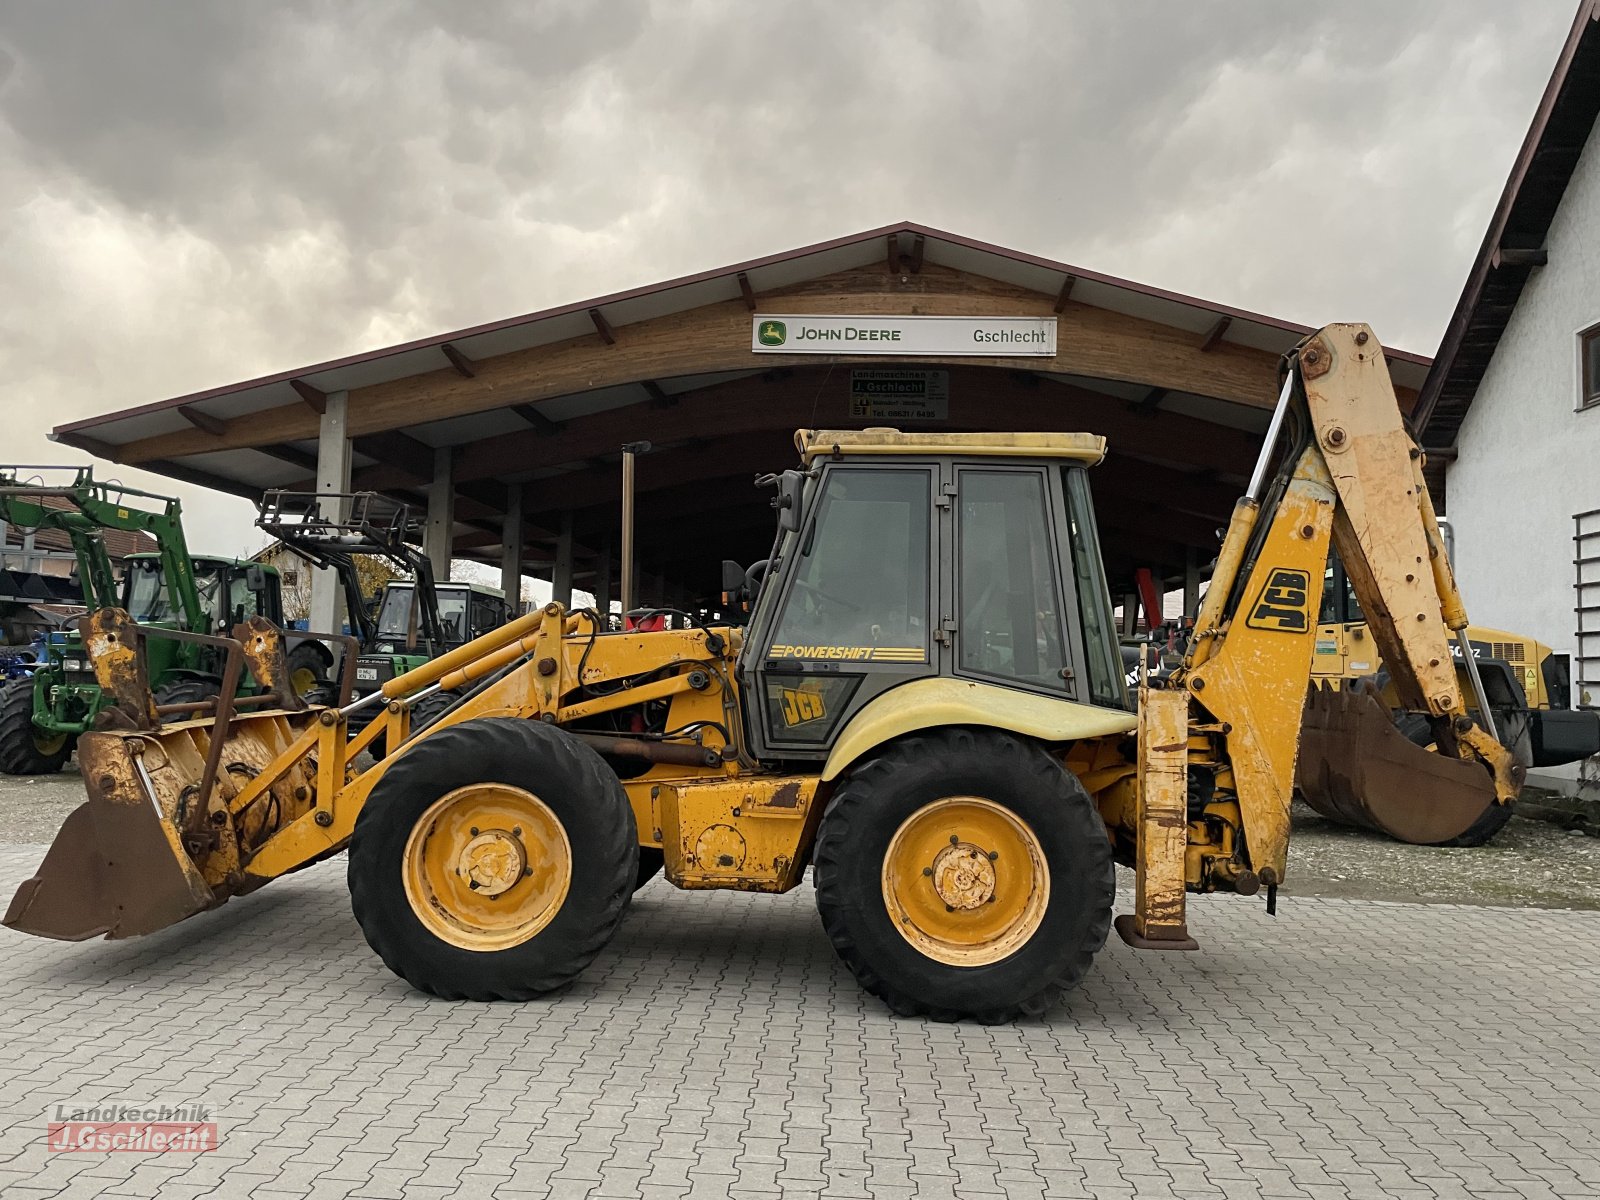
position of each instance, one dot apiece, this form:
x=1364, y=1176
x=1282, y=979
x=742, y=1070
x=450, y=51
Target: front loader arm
x=1351, y=473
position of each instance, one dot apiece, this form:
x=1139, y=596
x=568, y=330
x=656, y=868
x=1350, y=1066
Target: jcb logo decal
x=1284, y=604
x=800, y=705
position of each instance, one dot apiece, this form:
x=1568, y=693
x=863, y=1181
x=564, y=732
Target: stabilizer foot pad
x=1128, y=931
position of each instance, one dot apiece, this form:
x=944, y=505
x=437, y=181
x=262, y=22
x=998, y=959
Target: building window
x=1589, y=356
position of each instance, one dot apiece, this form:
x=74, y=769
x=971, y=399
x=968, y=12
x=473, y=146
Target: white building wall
x=1527, y=460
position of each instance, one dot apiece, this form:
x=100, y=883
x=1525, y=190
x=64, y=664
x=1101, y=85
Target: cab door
x=854, y=606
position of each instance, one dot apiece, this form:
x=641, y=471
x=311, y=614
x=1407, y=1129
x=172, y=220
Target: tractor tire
x=308, y=671
x=502, y=931
x=651, y=861
x=906, y=843
x=1481, y=832
x=23, y=749
x=187, y=690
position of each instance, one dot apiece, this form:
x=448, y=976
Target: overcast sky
x=197, y=193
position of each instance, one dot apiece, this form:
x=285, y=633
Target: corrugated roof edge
x=1586, y=24
x=728, y=272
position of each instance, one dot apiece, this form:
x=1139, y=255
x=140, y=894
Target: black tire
x=879, y=795
x=424, y=713
x=310, y=663
x=575, y=784
x=1419, y=731
x=21, y=752
x=186, y=690
x=651, y=861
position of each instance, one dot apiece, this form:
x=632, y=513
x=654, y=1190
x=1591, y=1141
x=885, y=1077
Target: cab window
x=862, y=579
x=1010, y=602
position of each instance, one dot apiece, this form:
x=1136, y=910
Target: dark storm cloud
x=196, y=193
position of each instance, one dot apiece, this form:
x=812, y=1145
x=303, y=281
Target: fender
x=927, y=703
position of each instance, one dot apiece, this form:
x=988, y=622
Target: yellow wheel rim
x=302, y=680
x=48, y=744
x=487, y=867
x=965, y=881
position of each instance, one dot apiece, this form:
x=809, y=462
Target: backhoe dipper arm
x=1350, y=472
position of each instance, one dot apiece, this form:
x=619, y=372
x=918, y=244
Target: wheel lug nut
x=474, y=831
x=954, y=840
x=994, y=856
x=927, y=870
x=517, y=832
x=949, y=908
x=473, y=884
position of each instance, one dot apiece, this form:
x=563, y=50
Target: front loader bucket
x=1357, y=768
x=117, y=866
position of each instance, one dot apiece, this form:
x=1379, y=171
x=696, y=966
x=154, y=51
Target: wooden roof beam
x=747, y=291
x=464, y=366
x=1519, y=256
x=531, y=414
x=288, y=454
x=1214, y=335
x=917, y=247
x=1065, y=294
x=893, y=247
x=204, y=421
x=399, y=450
x=1150, y=401
x=316, y=399
x=658, y=397
x=603, y=327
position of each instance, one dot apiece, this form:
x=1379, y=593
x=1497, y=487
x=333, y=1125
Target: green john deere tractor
x=41, y=717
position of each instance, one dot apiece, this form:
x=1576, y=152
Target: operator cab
x=916, y=556
x=229, y=591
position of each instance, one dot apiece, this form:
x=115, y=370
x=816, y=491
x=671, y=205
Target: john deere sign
x=988, y=337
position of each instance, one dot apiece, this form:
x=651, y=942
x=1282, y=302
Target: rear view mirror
x=732, y=580
x=255, y=577
x=787, y=501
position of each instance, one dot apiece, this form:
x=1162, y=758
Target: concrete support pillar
x=511, y=550
x=438, y=537
x=333, y=475
x=1191, y=583
x=561, y=574
x=602, y=578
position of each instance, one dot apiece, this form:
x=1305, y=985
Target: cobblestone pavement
x=1344, y=1049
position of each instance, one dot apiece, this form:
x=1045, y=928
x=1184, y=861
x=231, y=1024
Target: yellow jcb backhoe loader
x=927, y=707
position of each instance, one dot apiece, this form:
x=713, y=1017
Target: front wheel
x=25, y=749
x=493, y=860
x=964, y=874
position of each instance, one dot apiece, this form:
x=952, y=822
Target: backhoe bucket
x=1357, y=768
x=117, y=866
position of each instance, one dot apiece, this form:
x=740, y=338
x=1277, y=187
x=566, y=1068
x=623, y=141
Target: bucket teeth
x=1357, y=768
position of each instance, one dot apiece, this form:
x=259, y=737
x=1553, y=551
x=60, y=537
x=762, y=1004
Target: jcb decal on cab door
x=801, y=706
x=1284, y=605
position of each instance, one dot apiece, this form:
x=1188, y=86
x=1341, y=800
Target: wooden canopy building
x=509, y=434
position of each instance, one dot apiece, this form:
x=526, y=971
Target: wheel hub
x=492, y=862
x=963, y=876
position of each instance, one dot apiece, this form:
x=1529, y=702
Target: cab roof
x=1087, y=448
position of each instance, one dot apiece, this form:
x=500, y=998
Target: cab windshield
x=395, y=616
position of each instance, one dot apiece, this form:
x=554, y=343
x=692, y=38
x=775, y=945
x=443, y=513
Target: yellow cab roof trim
x=1087, y=448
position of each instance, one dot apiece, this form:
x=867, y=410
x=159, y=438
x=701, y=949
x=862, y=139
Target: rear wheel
x=25, y=749
x=493, y=860
x=964, y=874
x=188, y=690
x=308, y=669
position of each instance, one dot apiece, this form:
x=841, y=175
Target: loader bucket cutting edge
x=1355, y=767
x=116, y=866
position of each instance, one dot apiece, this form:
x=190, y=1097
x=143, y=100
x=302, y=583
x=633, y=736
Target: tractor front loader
x=927, y=707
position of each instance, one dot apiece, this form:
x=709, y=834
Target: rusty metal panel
x=744, y=833
x=1159, y=901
